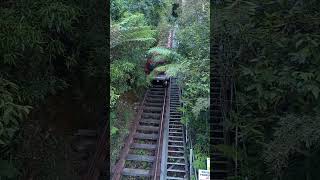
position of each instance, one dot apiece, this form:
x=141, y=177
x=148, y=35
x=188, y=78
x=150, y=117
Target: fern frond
x=161, y=53
x=131, y=29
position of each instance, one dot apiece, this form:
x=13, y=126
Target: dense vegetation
x=46, y=47
x=135, y=27
x=272, y=51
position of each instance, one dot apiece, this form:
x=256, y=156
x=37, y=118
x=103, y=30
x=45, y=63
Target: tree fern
x=160, y=53
x=295, y=134
x=131, y=29
x=11, y=111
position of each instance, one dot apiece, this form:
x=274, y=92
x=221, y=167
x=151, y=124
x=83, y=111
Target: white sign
x=208, y=164
x=204, y=174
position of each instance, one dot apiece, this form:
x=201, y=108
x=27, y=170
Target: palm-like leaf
x=124, y=32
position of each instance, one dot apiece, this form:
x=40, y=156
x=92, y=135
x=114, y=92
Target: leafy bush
x=11, y=111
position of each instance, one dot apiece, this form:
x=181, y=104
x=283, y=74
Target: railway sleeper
x=175, y=112
x=176, y=121
x=175, y=178
x=146, y=131
x=155, y=96
x=176, y=173
x=177, y=164
x=176, y=138
x=157, y=103
x=176, y=167
x=136, y=172
x=176, y=148
x=146, y=136
x=149, y=121
x=175, y=116
x=152, y=100
x=144, y=146
x=175, y=160
x=145, y=141
x=174, y=151
x=148, y=128
x=152, y=109
x=175, y=124
x=175, y=154
x=175, y=143
x=156, y=92
x=151, y=115
x=175, y=103
x=175, y=129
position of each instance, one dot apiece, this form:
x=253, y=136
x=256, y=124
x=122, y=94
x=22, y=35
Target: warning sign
x=204, y=174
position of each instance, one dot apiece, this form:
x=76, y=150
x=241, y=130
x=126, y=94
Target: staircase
x=175, y=157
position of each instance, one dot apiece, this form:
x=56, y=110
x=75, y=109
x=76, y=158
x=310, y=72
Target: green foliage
x=294, y=135
x=29, y=49
x=164, y=54
x=201, y=104
x=132, y=28
x=7, y=169
x=152, y=9
x=58, y=17
x=45, y=47
x=190, y=64
x=130, y=37
x=229, y=152
x=270, y=50
x=200, y=161
x=132, y=33
x=121, y=73
x=114, y=130
x=11, y=112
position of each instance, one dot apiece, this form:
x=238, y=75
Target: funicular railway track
x=155, y=146
x=140, y=158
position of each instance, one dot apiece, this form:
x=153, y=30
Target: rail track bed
x=140, y=157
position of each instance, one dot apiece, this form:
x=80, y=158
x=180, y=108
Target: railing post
x=190, y=168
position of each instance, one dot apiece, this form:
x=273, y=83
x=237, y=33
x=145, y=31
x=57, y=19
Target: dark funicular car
x=161, y=78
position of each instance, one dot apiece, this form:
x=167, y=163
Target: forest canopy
x=46, y=48
x=271, y=49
